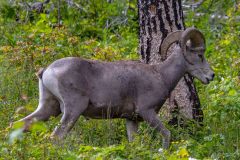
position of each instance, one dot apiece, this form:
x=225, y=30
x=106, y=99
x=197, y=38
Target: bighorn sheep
x=124, y=89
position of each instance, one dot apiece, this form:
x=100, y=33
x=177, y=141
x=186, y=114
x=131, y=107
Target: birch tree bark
x=158, y=18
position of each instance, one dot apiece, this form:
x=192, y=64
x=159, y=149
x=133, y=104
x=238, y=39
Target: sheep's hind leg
x=48, y=106
x=73, y=108
x=132, y=127
x=150, y=116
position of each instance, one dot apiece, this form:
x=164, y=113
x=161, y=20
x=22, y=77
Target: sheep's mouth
x=206, y=80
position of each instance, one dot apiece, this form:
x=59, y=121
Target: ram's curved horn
x=170, y=39
x=196, y=38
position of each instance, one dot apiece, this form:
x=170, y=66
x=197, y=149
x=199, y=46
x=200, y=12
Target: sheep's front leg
x=132, y=127
x=150, y=116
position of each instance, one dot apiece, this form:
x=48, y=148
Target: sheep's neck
x=173, y=69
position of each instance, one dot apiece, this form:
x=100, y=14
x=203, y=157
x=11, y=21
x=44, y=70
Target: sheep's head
x=192, y=43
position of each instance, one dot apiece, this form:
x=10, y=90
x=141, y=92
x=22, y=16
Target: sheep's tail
x=40, y=73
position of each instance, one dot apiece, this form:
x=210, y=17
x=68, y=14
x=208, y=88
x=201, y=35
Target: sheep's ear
x=168, y=41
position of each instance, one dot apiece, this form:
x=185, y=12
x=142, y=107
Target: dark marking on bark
x=153, y=20
x=145, y=7
x=153, y=10
x=163, y=30
x=141, y=17
x=181, y=13
x=175, y=11
x=148, y=50
x=162, y=25
x=168, y=18
x=142, y=48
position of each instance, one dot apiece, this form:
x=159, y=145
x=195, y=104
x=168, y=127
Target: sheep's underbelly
x=105, y=112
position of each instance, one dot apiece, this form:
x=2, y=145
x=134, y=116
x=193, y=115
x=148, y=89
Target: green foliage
x=95, y=29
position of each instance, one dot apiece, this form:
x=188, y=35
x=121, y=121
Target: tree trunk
x=157, y=18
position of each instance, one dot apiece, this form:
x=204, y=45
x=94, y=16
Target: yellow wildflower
x=183, y=153
x=5, y=49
